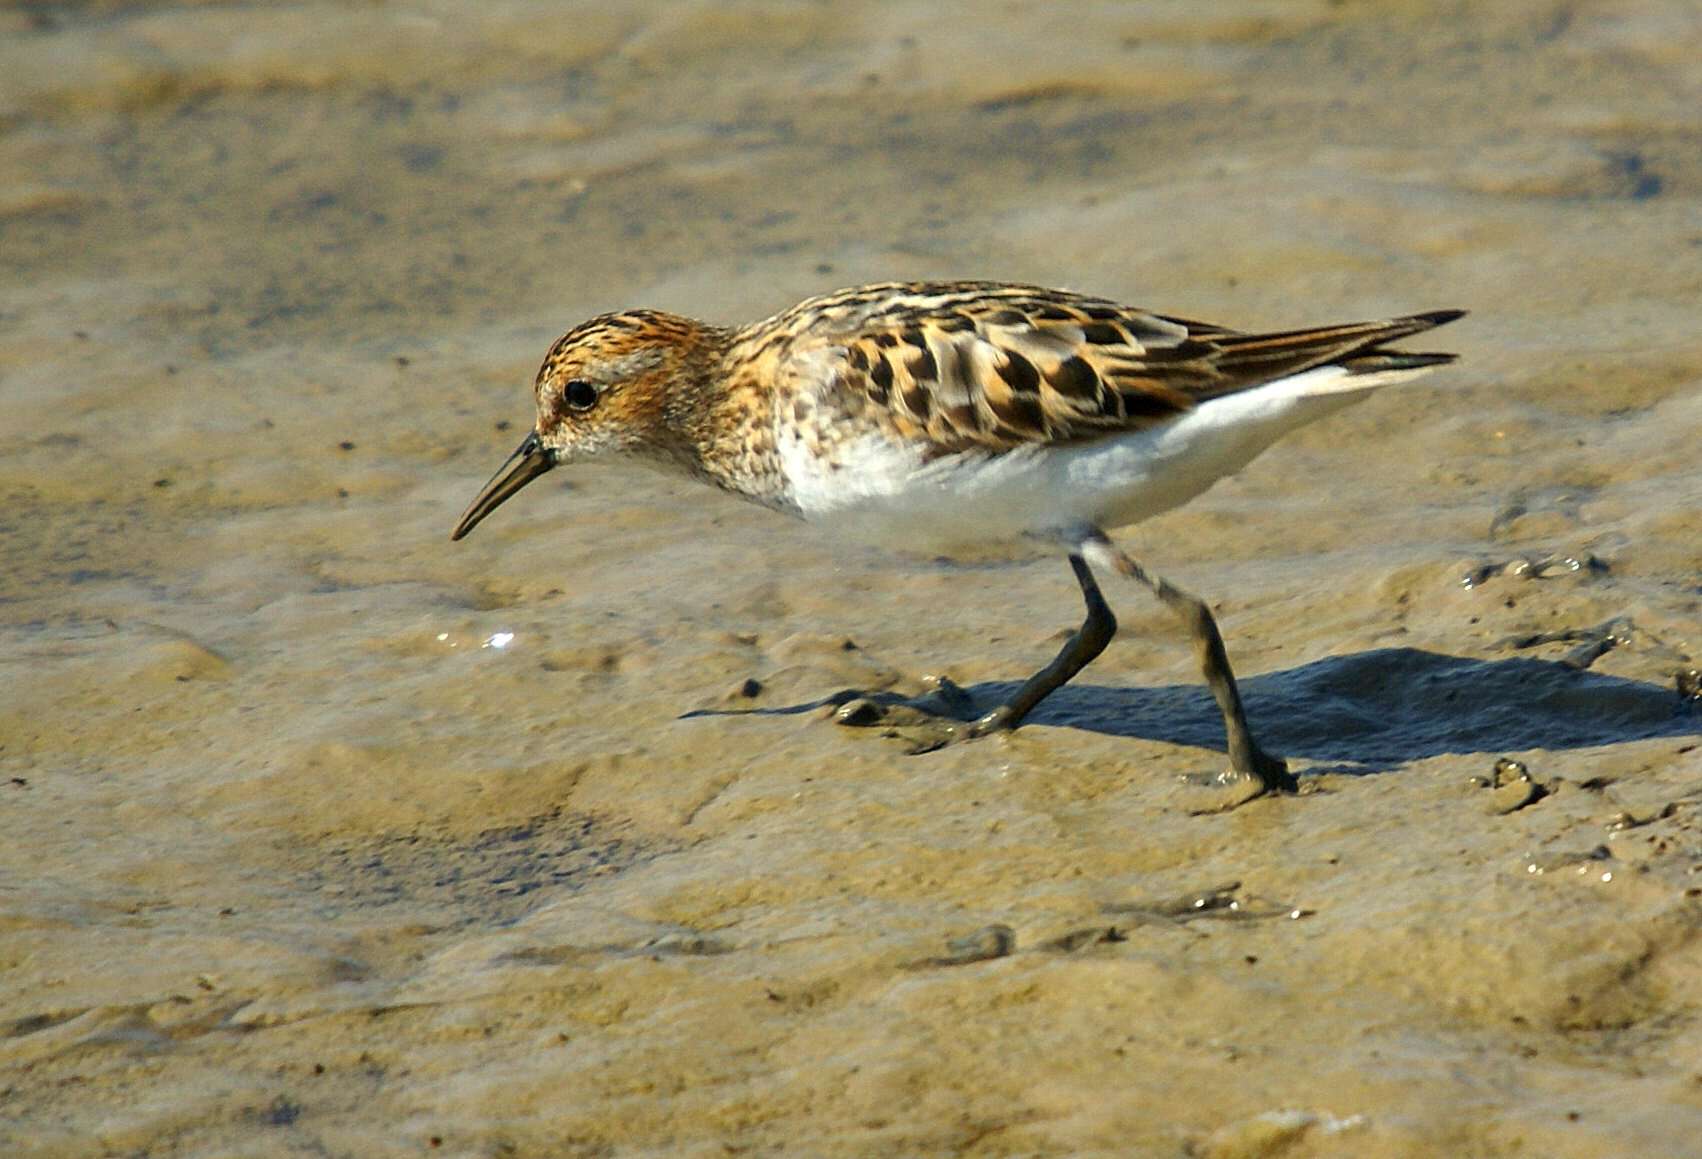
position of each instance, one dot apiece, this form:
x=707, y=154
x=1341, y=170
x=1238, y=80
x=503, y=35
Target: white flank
x=883, y=493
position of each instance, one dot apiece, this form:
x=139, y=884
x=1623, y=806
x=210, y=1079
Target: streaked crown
x=606, y=384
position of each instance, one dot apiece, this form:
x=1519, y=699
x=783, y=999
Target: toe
x=999, y=720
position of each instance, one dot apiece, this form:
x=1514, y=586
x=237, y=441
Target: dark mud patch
x=492, y=878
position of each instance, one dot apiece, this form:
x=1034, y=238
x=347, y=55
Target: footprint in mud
x=1227, y=902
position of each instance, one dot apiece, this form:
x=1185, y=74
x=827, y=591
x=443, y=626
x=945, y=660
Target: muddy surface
x=321, y=835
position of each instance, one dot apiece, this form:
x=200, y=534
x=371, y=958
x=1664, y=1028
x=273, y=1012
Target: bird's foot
x=1257, y=775
x=1001, y=719
x=925, y=723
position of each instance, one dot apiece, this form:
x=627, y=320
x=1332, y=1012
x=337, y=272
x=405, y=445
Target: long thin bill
x=529, y=461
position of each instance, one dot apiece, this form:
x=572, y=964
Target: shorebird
x=940, y=415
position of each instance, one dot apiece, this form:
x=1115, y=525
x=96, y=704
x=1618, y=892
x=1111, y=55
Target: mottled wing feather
x=967, y=366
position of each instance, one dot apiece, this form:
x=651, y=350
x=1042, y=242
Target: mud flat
x=321, y=835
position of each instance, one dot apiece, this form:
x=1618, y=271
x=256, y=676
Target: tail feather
x=1380, y=360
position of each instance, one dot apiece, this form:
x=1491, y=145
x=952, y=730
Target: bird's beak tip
x=529, y=460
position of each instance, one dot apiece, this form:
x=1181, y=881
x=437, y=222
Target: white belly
x=883, y=492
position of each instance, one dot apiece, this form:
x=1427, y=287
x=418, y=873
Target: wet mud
x=321, y=835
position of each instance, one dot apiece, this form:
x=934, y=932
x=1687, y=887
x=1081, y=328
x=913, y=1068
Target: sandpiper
x=940, y=415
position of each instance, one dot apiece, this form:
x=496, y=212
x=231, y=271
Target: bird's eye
x=579, y=395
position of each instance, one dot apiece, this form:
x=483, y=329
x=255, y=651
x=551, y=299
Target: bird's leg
x=1089, y=641
x=1246, y=758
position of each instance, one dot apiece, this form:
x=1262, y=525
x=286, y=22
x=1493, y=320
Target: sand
x=321, y=835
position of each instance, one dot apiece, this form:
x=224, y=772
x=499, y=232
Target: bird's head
x=612, y=384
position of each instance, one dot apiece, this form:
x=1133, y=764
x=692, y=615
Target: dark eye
x=579, y=395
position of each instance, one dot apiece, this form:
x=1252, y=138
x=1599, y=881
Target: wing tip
x=1431, y=319
x=1376, y=357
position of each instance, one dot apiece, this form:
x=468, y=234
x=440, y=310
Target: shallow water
x=322, y=834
